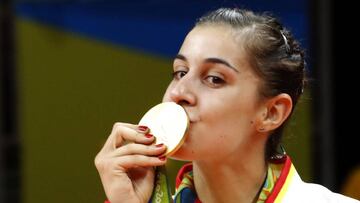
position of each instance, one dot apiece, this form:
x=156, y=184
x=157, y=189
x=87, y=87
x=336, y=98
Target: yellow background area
x=72, y=90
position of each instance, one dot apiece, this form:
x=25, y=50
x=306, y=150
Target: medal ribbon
x=161, y=192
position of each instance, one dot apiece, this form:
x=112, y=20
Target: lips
x=191, y=116
x=192, y=119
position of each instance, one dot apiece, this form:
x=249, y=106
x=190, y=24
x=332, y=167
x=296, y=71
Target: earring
x=261, y=129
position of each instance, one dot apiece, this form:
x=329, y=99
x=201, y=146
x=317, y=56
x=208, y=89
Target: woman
x=238, y=76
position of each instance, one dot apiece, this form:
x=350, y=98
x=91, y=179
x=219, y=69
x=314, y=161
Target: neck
x=225, y=181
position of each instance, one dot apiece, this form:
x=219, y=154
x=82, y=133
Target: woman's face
x=215, y=84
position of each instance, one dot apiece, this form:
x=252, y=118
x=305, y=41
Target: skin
x=229, y=125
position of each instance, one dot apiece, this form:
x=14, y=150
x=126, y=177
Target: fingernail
x=143, y=128
x=162, y=158
x=159, y=145
x=148, y=135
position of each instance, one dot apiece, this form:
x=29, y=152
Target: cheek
x=232, y=119
x=227, y=131
x=216, y=120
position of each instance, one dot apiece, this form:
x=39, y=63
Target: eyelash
x=215, y=81
x=177, y=74
x=212, y=80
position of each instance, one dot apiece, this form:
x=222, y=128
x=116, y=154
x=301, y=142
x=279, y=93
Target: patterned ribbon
x=185, y=193
x=161, y=192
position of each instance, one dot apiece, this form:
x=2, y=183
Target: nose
x=183, y=92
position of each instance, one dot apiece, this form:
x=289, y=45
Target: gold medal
x=168, y=122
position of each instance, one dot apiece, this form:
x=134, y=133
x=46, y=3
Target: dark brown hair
x=273, y=53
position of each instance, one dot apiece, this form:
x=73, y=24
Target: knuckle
x=117, y=125
x=129, y=147
x=104, y=165
x=136, y=148
x=137, y=158
x=146, y=159
x=119, y=131
x=99, y=162
x=150, y=149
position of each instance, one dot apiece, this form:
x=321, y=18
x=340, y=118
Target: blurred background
x=70, y=69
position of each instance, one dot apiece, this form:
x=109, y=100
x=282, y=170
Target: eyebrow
x=210, y=60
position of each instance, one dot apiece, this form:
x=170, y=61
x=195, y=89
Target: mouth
x=193, y=121
x=191, y=117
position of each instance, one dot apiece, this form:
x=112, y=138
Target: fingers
x=137, y=152
x=131, y=156
x=123, y=132
x=133, y=161
x=138, y=155
x=140, y=149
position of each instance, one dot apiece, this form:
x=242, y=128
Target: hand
x=126, y=163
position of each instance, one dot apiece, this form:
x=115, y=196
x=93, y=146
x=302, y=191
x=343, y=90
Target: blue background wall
x=144, y=24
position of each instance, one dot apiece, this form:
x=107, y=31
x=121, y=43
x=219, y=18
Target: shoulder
x=291, y=189
x=319, y=193
x=299, y=191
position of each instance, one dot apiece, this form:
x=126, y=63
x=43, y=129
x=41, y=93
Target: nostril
x=182, y=93
x=183, y=102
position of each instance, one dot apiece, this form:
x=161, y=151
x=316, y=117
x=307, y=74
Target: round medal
x=168, y=122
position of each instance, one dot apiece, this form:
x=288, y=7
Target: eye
x=214, y=81
x=178, y=74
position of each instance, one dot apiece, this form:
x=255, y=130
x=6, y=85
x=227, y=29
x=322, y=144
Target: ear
x=275, y=112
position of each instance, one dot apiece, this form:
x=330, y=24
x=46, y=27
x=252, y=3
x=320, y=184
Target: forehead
x=214, y=39
x=220, y=41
